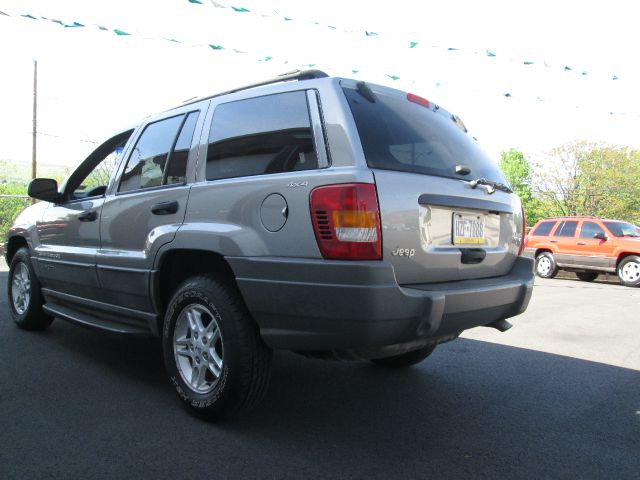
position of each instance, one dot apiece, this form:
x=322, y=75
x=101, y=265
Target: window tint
x=623, y=229
x=543, y=229
x=270, y=134
x=589, y=229
x=397, y=134
x=566, y=229
x=158, y=158
x=176, y=169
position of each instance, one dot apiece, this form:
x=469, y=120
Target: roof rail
x=284, y=77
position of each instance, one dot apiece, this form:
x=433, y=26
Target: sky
x=468, y=56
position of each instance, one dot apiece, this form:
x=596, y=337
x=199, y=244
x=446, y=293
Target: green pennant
x=309, y=65
x=584, y=72
x=195, y=1
x=490, y=54
x=73, y=25
x=29, y=16
x=239, y=9
x=508, y=95
x=120, y=32
x=267, y=58
x=355, y=71
x=567, y=69
x=217, y=47
x=287, y=19
x=413, y=44
x=393, y=77
x=528, y=62
x=615, y=77
x=452, y=49
x=371, y=34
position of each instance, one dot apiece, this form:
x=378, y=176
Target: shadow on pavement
x=80, y=401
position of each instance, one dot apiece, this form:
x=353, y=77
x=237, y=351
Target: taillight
x=346, y=221
x=523, y=237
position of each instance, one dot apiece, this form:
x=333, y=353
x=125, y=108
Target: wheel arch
x=623, y=255
x=14, y=244
x=542, y=250
x=176, y=265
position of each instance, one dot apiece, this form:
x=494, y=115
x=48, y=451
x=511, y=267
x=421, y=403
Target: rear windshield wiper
x=490, y=183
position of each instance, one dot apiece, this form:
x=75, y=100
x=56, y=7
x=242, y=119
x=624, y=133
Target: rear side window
x=160, y=154
x=566, y=229
x=262, y=135
x=543, y=228
x=589, y=229
x=397, y=134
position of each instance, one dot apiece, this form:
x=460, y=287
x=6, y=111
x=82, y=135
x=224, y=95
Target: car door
x=564, y=239
x=146, y=206
x=69, y=231
x=590, y=251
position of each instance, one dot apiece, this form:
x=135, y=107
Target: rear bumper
x=335, y=305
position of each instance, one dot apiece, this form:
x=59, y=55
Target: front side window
x=589, y=229
x=160, y=154
x=262, y=135
x=566, y=229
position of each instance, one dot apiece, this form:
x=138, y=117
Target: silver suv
x=323, y=215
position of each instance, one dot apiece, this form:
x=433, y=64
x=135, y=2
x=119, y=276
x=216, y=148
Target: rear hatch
x=444, y=212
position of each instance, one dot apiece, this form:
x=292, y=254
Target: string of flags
x=411, y=45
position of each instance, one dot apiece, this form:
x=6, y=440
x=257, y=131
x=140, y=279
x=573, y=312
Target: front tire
x=25, y=297
x=629, y=271
x=212, y=348
x=405, y=359
x=587, y=276
x=546, y=265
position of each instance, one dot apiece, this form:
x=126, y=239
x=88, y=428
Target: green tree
x=518, y=171
x=10, y=207
x=586, y=178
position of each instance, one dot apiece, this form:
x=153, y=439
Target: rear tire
x=587, y=276
x=629, y=271
x=546, y=265
x=213, y=352
x=24, y=295
x=405, y=359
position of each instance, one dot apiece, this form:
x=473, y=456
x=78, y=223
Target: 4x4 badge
x=298, y=184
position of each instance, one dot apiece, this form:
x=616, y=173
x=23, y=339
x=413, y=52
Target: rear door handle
x=553, y=241
x=88, y=216
x=581, y=243
x=165, y=208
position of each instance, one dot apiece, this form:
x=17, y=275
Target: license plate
x=468, y=229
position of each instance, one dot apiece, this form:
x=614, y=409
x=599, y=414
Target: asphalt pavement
x=557, y=396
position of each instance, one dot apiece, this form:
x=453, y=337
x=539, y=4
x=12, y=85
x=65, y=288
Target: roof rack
x=284, y=77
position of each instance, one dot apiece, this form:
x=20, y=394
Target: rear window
x=397, y=134
x=566, y=229
x=543, y=229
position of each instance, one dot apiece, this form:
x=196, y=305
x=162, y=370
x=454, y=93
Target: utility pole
x=35, y=118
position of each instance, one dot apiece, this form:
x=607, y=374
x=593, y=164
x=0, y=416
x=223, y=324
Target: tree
x=519, y=173
x=585, y=178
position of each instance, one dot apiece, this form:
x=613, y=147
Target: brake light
x=346, y=221
x=417, y=99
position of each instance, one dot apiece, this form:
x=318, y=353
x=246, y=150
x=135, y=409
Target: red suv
x=587, y=246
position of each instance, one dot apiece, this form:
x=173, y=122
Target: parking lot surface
x=557, y=396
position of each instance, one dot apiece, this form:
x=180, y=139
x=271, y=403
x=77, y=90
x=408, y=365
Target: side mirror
x=600, y=236
x=45, y=189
